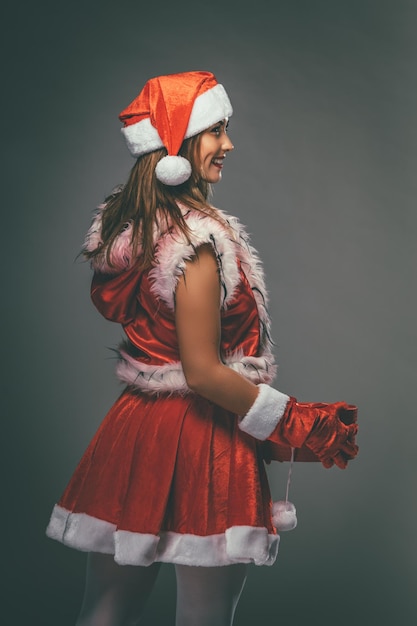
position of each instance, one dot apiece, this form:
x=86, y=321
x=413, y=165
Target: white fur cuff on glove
x=265, y=412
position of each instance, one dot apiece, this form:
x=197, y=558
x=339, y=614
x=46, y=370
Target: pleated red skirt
x=173, y=479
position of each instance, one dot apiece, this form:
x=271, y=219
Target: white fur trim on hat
x=173, y=170
x=210, y=107
x=142, y=137
x=238, y=544
x=265, y=412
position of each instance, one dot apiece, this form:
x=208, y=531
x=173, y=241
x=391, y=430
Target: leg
x=208, y=596
x=115, y=595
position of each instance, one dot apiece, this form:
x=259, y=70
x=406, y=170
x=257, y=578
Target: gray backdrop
x=323, y=175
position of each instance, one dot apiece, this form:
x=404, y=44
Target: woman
x=176, y=471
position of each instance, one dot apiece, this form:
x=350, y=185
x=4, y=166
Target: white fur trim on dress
x=230, y=244
x=265, y=413
x=81, y=531
x=122, y=256
x=238, y=544
x=253, y=270
x=173, y=251
x=170, y=378
x=210, y=107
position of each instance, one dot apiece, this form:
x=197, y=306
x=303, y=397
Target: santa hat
x=168, y=110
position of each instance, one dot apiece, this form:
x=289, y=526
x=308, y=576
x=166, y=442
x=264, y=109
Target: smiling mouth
x=218, y=162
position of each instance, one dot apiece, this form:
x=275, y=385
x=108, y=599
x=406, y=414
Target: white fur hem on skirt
x=239, y=544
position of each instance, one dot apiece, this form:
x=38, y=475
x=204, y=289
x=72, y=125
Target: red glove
x=329, y=430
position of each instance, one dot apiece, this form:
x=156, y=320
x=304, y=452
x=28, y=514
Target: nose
x=227, y=145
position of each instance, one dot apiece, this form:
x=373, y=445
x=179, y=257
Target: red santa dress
x=169, y=476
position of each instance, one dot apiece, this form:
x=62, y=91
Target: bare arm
x=267, y=412
x=197, y=315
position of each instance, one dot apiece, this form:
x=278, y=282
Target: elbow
x=201, y=380
x=195, y=382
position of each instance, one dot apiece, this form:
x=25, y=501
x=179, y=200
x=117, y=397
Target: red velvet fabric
x=170, y=463
x=149, y=324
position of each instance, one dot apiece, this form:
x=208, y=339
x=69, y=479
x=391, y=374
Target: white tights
x=116, y=595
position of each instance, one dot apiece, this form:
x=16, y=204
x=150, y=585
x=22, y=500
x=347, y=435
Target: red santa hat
x=168, y=110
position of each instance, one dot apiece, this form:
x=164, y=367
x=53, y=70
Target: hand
x=329, y=430
x=331, y=438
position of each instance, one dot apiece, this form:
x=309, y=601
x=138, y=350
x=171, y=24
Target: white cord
x=289, y=474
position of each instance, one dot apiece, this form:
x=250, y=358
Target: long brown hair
x=144, y=202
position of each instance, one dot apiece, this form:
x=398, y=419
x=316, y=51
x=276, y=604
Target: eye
x=216, y=130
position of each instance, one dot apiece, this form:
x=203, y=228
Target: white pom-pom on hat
x=284, y=515
x=173, y=170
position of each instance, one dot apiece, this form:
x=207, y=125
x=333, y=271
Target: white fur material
x=284, y=515
x=173, y=170
x=253, y=270
x=81, y=531
x=239, y=544
x=210, y=107
x=142, y=137
x=170, y=378
x=173, y=251
x=134, y=549
x=122, y=255
x=265, y=412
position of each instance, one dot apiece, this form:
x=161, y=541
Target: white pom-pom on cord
x=173, y=170
x=284, y=515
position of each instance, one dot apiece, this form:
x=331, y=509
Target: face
x=214, y=145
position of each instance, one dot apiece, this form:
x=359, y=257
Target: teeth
x=218, y=161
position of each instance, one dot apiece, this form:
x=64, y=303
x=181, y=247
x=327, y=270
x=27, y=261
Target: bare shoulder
x=200, y=276
x=202, y=262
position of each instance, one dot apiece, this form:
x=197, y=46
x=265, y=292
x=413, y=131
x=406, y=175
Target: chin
x=210, y=176
x=214, y=179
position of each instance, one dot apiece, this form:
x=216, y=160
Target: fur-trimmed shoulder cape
x=232, y=249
